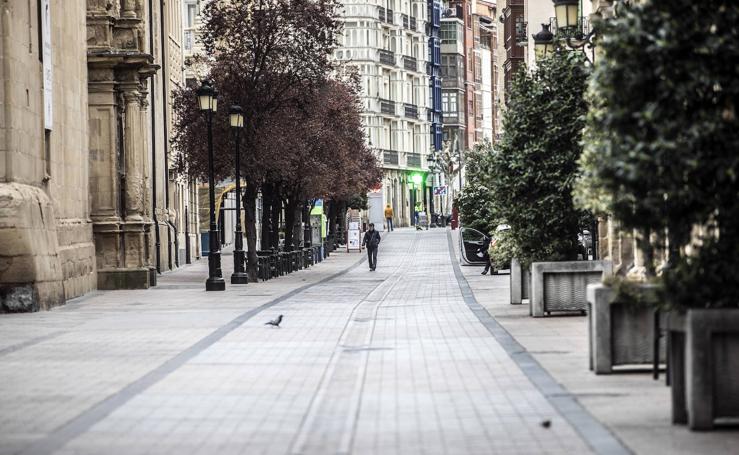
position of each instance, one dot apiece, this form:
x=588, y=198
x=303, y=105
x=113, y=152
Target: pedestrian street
x=397, y=361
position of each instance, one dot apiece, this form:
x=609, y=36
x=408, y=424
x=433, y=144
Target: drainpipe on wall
x=154, y=148
x=165, y=102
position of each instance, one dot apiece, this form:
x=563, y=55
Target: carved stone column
x=118, y=69
x=128, y=8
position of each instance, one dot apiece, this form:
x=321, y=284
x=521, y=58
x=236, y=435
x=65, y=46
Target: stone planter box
x=704, y=367
x=520, y=283
x=560, y=286
x=620, y=334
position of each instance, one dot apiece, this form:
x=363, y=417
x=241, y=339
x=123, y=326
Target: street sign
x=353, y=232
x=440, y=190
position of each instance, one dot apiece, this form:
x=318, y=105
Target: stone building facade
x=386, y=41
x=47, y=253
x=82, y=146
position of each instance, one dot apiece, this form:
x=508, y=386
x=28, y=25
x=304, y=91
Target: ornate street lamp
x=208, y=102
x=572, y=30
x=239, y=276
x=543, y=42
x=567, y=14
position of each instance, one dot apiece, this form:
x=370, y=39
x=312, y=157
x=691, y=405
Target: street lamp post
x=208, y=103
x=432, y=159
x=543, y=42
x=415, y=180
x=239, y=276
x=571, y=31
x=307, y=227
x=432, y=202
x=567, y=13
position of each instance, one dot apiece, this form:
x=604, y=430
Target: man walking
x=371, y=241
x=389, y=217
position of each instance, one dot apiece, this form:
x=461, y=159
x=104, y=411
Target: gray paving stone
x=385, y=362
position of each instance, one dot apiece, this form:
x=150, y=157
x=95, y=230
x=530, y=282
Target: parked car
x=470, y=242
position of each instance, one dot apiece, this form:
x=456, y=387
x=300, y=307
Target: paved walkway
x=632, y=405
x=402, y=360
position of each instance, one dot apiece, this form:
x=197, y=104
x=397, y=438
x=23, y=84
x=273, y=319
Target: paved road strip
x=345, y=358
x=595, y=434
x=101, y=410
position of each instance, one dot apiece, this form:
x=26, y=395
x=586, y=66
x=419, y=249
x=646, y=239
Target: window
x=448, y=67
x=449, y=104
x=478, y=67
x=448, y=32
x=188, y=40
x=192, y=13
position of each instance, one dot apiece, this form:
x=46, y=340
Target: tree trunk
x=274, y=241
x=297, y=224
x=330, y=210
x=289, y=221
x=306, y=224
x=250, y=203
x=267, y=207
x=341, y=217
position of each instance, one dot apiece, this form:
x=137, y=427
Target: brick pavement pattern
x=385, y=362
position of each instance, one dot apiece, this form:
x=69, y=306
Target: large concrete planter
x=561, y=286
x=620, y=335
x=704, y=367
x=520, y=283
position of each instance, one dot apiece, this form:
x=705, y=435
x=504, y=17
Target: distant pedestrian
x=389, y=217
x=371, y=241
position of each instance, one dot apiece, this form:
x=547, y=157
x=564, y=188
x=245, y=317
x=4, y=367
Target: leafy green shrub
x=662, y=138
x=532, y=173
x=502, y=250
x=475, y=202
x=476, y=208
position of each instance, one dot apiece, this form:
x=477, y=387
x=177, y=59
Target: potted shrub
x=622, y=317
x=475, y=202
x=531, y=177
x=520, y=282
x=665, y=159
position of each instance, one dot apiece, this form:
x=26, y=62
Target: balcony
x=381, y=14
x=390, y=157
x=414, y=24
x=451, y=81
x=387, y=107
x=387, y=57
x=414, y=160
x=410, y=110
x=389, y=16
x=410, y=63
x=405, y=20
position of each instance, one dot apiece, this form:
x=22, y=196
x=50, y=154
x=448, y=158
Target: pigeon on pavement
x=546, y=423
x=275, y=322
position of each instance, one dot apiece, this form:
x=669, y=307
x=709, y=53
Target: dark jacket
x=371, y=239
x=484, y=248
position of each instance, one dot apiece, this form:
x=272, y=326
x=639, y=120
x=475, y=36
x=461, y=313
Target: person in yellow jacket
x=389, y=217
